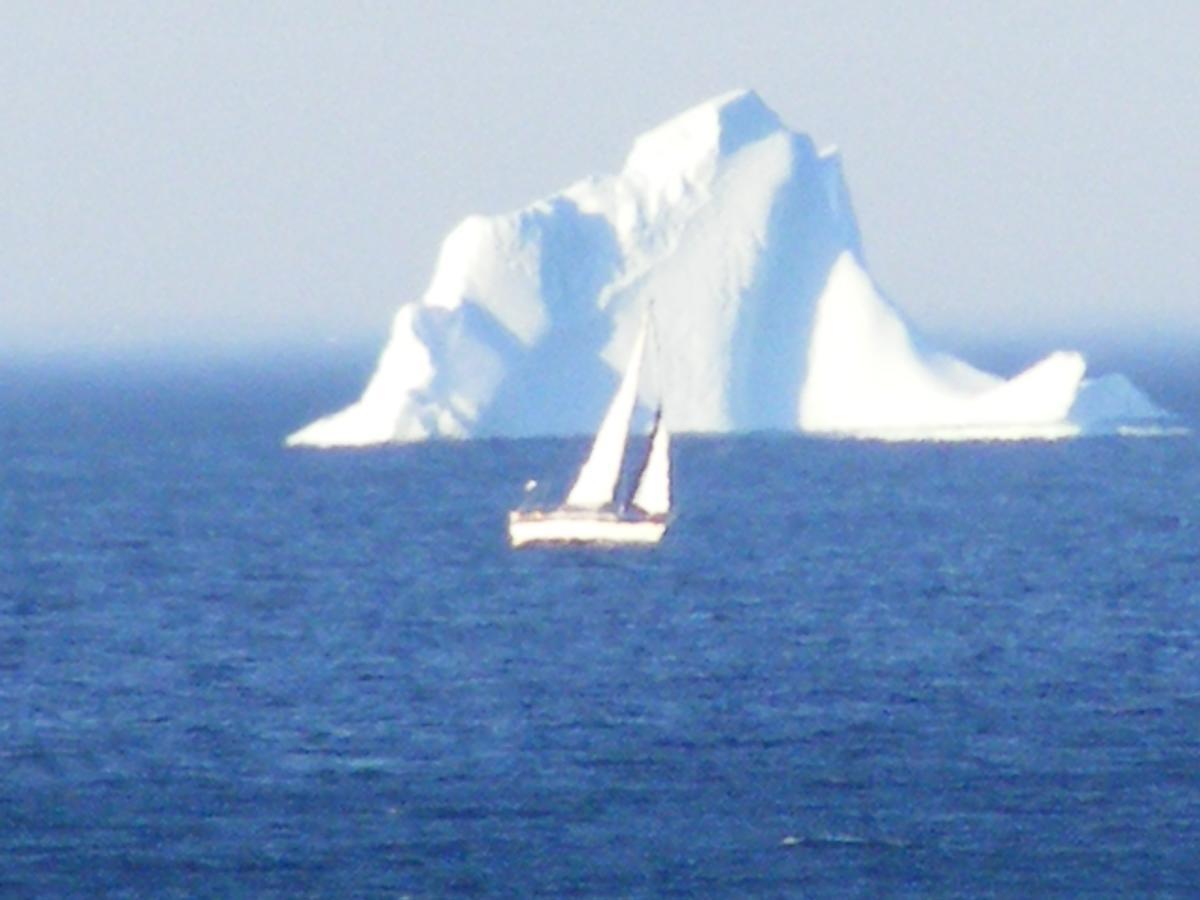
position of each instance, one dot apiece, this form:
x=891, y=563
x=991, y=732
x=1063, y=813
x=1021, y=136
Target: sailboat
x=593, y=512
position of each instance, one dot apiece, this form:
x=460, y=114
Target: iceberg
x=739, y=236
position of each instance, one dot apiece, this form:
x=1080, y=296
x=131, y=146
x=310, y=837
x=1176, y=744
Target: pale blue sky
x=242, y=173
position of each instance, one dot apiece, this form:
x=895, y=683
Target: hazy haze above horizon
x=234, y=174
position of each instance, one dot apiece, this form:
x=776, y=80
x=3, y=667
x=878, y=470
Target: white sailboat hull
x=583, y=527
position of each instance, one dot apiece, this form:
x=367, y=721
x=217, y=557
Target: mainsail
x=653, y=494
x=596, y=485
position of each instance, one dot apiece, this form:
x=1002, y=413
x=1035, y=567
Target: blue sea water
x=851, y=669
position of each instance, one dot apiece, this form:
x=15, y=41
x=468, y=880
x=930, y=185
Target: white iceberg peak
x=691, y=143
x=744, y=239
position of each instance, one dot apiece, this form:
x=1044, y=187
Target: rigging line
x=660, y=359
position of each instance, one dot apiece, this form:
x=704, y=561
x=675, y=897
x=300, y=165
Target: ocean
x=850, y=669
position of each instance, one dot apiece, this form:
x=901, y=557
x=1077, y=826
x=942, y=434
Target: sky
x=246, y=175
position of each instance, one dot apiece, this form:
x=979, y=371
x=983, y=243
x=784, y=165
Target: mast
x=596, y=485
